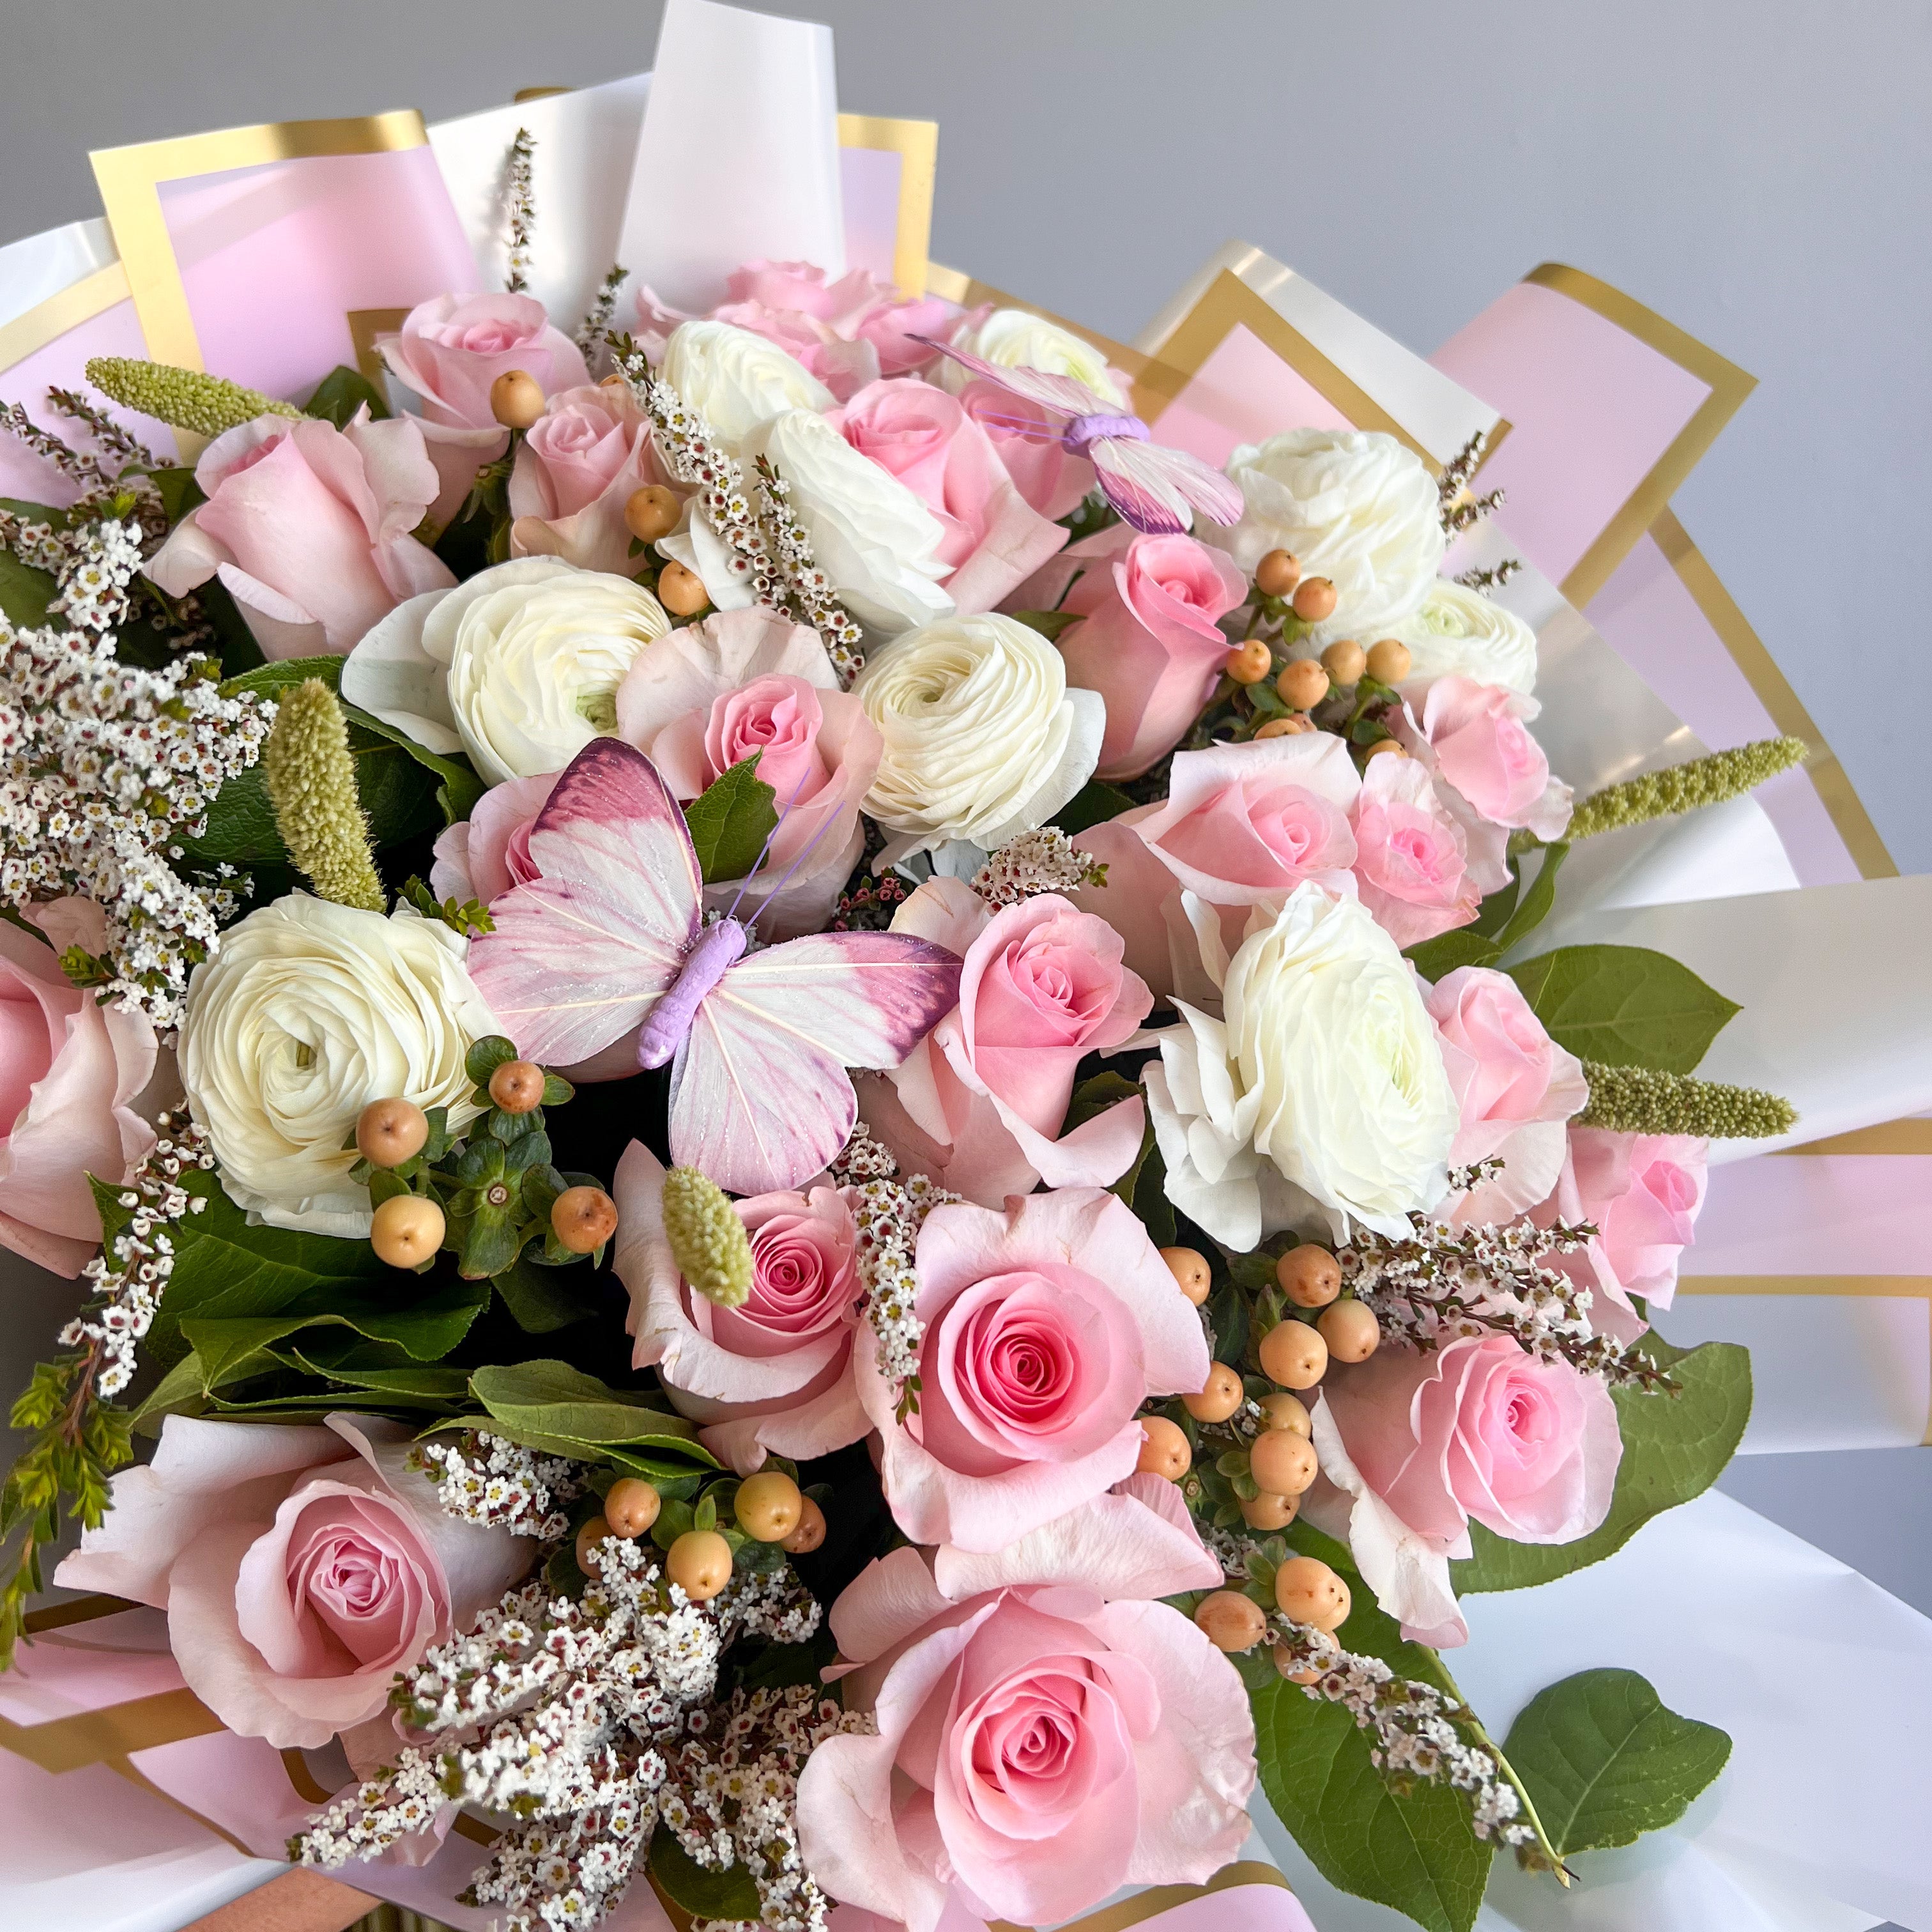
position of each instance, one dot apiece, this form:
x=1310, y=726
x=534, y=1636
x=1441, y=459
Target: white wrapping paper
x=40, y=266
x=738, y=157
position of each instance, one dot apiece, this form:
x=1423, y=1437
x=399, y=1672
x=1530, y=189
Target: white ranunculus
x=519, y=667
x=872, y=536
x=1352, y=506
x=1460, y=633
x=308, y=1012
x=1014, y=338
x=1322, y=1081
x=736, y=380
x=983, y=739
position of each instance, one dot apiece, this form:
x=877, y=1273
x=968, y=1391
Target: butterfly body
x=609, y=941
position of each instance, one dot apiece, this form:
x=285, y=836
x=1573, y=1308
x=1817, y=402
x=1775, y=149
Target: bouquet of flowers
x=810, y=1103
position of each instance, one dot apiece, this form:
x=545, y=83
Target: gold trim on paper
x=130, y=180
x=365, y=325
x=1159, y=1898
x=1728, y=385
x=47, y=322
x=916, y=144
x=1889, y=1137
x=100, y=1737
x=1768, y=682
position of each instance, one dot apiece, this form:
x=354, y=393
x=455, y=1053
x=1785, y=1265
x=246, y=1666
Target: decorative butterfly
x=1151, y=486
x=610, y=940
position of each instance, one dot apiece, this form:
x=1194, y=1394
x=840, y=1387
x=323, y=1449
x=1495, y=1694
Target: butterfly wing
x=1152, y=486
x=1037, y=386
x=759, y=1096
x=580, y=954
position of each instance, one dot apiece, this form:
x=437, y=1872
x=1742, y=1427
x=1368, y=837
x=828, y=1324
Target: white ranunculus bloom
x=983, y=739
x=308, y=1012
x=519, y=667
x=872, y=536
x=1458, y=633
x=1352, y=506
x=1015, y=338
x=1322, y=1081
x=736, y=380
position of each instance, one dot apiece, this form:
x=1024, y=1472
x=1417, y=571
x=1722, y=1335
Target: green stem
x=1475, y=1725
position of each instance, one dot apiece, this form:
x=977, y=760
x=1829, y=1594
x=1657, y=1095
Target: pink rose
x=1046, y=1733
x=1148, y=641
x=301, y=1568
x=979, y=1103
x=1471, y=737
x=580, y=464
x=70, y=1069
x=1412, y=868
x=1241, y=825
x=846, y=333
x=1028, y=439
x=309, y=527
x=452, y=348
x=482, y=856
x=1046, y=1327
x=992, y=537
x=773, y=1376
x=1644, y=1193
x=1515, y=1086
x=705, y=697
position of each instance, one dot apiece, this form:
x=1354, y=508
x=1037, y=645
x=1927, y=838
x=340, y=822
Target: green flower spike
x=707, y=1239
x=183, y=398
x=1635, y=1100
x=311, y=782
x=1685, y=788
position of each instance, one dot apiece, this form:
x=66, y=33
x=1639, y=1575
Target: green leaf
x=1048, y=623
x=25, y=593
x=1606, y=1761
x=178, y=491
x=729, y=1893
x=1535, y=904
x=1095, y=1096
x=555, y=1399
x=1623, y=1005
x=731, y=820
x=542, y=1299
x=1675, y=1446
x=341, y=393
x=1093, y=804
x=457, y=788
x=1436, y=959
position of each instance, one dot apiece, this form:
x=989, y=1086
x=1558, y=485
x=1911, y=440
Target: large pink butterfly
x=1151, y=486
x=611, y=940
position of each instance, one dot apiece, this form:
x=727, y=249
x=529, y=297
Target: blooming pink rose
x=582, y=461
x=774, y=1375
x=309, y=527
x=1471, y=737
x=301, y=1568
x=1028, y=439
x=1149, y=641
x=992, y=537
x=482, y=856
x=1515, y=1086
x=1046, y=1326
x=70, y=1069
x=979, y=1103
x=706, y=697
x=1644, y=1193
x=1241, y=825
x=1046, y=1733
x=1415, y=1445
x=452, y=348
x=1412, y=867
x=846, y=333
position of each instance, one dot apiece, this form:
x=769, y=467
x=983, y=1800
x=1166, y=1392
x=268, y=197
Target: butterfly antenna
x=810, y=846
x=784, y=813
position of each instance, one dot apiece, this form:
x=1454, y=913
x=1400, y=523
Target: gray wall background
x=1759, y=171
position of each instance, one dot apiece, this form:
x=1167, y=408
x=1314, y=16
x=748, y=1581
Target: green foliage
x=1048, y=623
x=553, y=1401
x=341, y=393
x=1675, y=1446
x=183, y=398
x=1635, y=1100
x=731, y=1894
x=1142, y=1186
x=1508, y=917
x=1606, y=1761
x=25, y=592
x=1623, y=1005
x=729, y=821
x=470, y=917
x=1094, y=804
x=1686, y=787
x=542, y=1300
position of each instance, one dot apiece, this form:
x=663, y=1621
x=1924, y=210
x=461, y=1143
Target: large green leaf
x=553, y=1398
x=1418, y=1853
x=341, y=393
x=1093, y=804
x=1436, y=959
x=729, y=821
x=541, y=1299
x=1605, y=1761
x=25, y=593
x=1675, y=1446
x=729, y=1893
x=1623, y=1005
